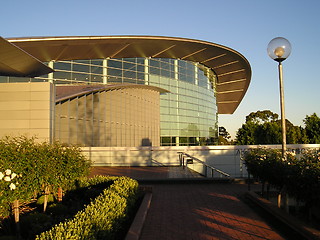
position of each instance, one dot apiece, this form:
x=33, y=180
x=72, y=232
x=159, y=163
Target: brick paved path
x=195, y=211
x=203, y=211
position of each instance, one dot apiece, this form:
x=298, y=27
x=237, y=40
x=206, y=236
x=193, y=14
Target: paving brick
x=197, y=211
x=204, y=211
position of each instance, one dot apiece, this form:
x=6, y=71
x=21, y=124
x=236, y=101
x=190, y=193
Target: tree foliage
x=262, y=116
x=264, y=127
x=36, y=167
x=312, y=128
x=224, y=136
x=299, y=175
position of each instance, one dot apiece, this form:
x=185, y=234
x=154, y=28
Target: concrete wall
x=27, y=109
x=225, y=158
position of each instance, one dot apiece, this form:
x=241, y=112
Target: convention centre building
x=119, y=91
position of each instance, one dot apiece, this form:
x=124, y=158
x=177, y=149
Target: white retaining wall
x=226, y=158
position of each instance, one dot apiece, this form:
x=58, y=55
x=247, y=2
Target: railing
x=186, y=160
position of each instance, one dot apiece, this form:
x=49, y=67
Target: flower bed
x=33, y=173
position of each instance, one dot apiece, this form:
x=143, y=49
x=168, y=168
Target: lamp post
x=279, y=50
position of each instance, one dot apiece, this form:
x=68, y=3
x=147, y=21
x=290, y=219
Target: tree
x=269, y=133
x=224, y=136
x=246, y=134
x=312, y=128
x=262, y=117
x=295, y=134
x=261, y=127
x=264, y=127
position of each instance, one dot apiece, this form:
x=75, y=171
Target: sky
x=246, y=26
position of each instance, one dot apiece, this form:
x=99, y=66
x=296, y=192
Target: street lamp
x=279, y=50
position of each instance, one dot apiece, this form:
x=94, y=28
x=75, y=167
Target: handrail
x=185, y=163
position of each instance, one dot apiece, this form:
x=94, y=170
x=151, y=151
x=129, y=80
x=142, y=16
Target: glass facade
x=188, y=114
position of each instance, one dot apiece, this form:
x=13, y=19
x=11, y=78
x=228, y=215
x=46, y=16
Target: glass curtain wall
x=188, y=114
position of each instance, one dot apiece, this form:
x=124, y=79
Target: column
x=146, y=71
x=176, y=77
x=196, y=75
x=105, y=70
x=50, y=75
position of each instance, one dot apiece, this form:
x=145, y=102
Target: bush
x=103, y=217
x=36, y=167
x=267, y=165
x=304, y=179
x=300, y=176
x=40, y=200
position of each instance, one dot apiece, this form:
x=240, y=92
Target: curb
x=138, y=222
x=292, y=223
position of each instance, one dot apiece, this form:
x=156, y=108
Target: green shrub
x=103, y=217
x=267, y=165
x=37, y=166
x=300, y=176
x=40, y=200
x=304, y=179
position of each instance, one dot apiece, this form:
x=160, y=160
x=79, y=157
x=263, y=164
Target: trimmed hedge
x=103, y=217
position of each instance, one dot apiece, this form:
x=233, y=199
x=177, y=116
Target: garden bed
x=116, y=199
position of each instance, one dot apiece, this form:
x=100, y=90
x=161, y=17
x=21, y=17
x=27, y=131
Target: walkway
x=196, y=210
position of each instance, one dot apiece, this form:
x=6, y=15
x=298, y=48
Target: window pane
x=4, y=79
x=80, y=76
x=62, y=75
x=129, y=66
x=129, y=74
x=62, y=66
x=114, y=72
x=80, y=68
x=96, y=70
x=115, y=64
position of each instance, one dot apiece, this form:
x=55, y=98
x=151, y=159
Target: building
x=119, y=91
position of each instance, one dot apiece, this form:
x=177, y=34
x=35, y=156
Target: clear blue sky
x=244, y=25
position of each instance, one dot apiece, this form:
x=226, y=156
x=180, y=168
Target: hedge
x=103, y=217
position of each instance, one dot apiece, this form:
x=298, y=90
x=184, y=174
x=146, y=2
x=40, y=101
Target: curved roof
x=66, y=92
x=232, y=69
